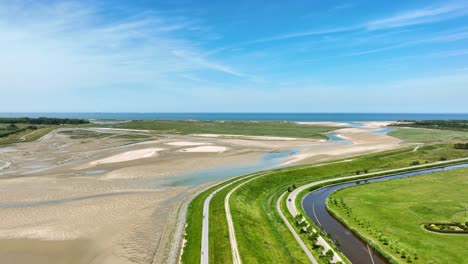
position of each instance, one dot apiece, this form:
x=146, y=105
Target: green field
x=281, y=129
x=24, y=134
x=392, y=212
x=261, y=234
x=431, y=136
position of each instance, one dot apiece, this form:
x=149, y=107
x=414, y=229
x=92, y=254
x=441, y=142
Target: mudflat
x=98, y=195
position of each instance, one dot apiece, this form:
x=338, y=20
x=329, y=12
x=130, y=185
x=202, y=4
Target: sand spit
x=206, y=149
x=243, y=137
x=377, y=124
x=363, y=140
x=129, y=155
x=187, y=143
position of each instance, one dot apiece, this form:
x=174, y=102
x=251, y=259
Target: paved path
x=293, y=231
x=204, y=259
x=232, y=232
x=291, y=202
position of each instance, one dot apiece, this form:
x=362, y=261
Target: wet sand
x=60, y=203
x=105, y=196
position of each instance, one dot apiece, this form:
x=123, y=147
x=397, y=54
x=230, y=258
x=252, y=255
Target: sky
x=234, y=56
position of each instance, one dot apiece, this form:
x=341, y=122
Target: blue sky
x=234, y=56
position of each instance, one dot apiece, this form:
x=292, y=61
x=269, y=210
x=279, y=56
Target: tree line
x=435, y=124
x=43, y=121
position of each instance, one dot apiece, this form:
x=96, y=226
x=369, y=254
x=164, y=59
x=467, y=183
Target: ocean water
x=300, y=117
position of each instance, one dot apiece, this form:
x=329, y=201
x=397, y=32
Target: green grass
x=26, y=135
x=261, y=234
x=422, y=135
x=397, y=208
x=282, y=129
x=220, y=248
x=253, y=215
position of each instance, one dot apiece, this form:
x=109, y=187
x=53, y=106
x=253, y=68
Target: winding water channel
x=352, y=247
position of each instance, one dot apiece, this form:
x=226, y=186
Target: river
x=352, y=247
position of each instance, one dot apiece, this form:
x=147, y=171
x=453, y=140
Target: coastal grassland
x=392, y=212
x=254, y=214
x=423, y=135
x=26, y=133
x=280, y=129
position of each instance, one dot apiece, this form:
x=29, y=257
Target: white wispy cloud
x=70, y=45
x=421, y=16
x=450, y=36
x=450, y=53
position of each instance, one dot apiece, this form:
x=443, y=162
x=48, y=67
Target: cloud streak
x=68, y=45
x=420, y=16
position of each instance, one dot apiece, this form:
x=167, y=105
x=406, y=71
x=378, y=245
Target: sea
x=293, y=117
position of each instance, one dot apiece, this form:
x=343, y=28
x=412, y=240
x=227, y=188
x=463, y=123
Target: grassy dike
x=191, y=252
x=261, y=234
x=254, y=216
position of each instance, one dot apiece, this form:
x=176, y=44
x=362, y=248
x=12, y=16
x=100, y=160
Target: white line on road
x=370, y=254
x=313, y=210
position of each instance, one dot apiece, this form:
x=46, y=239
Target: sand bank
x=187, y=143
x=206, y=149
x=130, y=155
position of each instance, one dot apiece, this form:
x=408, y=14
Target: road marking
x=313, y=210
x=370, y=254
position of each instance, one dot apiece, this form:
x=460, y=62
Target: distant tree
x=366, y=170
x=358, y=172
x=329, y=254
x=12, y=127
x=294, y=186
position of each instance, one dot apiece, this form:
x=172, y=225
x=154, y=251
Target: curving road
x=205, y=245
x=204, y=259
x=291, y=203
x=293, y=231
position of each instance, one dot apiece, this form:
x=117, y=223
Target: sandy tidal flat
x=115, y=199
